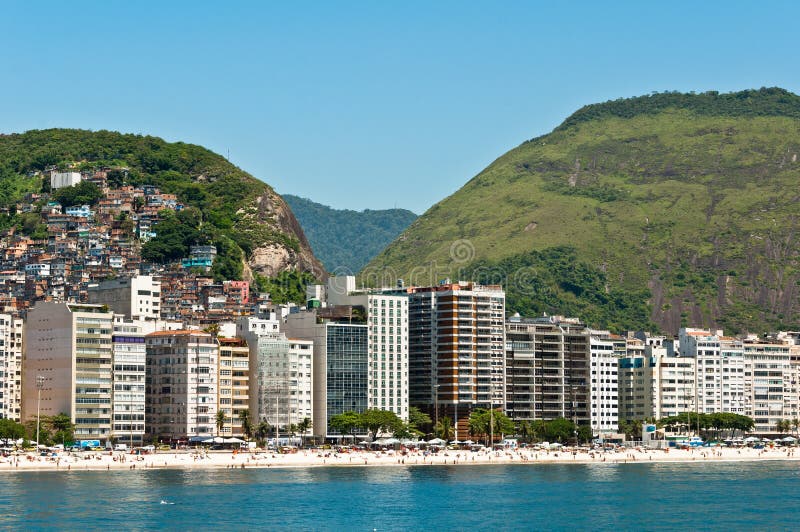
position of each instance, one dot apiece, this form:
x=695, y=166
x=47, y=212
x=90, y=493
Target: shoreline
x=117, y=461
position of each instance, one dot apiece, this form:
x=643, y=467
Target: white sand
x=308, y=458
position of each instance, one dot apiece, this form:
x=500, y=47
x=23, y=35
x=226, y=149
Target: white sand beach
x=326, y=458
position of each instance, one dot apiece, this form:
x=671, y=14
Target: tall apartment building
x=234, y=383
x=719, y=375
x=10, y=367
x=69, y=346
x=340, y=363
x=456, y=350
x=771, y=384
x=281, y=379
x=388, y=342
x=137, y=298
x=603, y=381
x=674, y=382
x=129, y=356
x=182, y=372
x=548, y=363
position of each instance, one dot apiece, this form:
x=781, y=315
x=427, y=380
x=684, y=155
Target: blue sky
x=370, y=104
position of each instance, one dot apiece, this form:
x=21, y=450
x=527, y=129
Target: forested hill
x=657, y=212
x=346, y=240
x=254, y=230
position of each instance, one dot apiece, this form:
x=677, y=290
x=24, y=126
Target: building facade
x=11, y=329
x=182, y=387
x=129, y=356
x=69, y=348
x=234, y=384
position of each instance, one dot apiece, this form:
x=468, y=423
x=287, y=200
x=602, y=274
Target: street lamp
x=39, y=386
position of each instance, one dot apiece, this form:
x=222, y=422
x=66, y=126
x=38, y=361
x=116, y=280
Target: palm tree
x=221, y=419
x=796, y=425
x=247, y=427
x=262, y=430
x=304, y=427
x=444, y=428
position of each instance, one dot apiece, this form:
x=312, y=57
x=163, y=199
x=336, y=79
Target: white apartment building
x=10, y=367
x=719, y=374
x=137, y=298
x=281, y=379
x=68, y=347
x=770, y=391
x=603, y=383
x=182, y=371
x=129, y=355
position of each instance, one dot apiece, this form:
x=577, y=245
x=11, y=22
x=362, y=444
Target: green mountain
x=255, y=232
x=659, y=211
x=346, y=240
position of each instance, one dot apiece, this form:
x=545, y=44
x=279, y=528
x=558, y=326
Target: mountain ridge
x=662, y=214
x=346, y=240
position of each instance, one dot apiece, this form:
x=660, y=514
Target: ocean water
x=721, y=496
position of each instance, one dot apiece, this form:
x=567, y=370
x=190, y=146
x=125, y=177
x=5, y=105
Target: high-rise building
x=10, y=367
x=603, y=381
x=68, y=354
x=719, y=373
x=182, y=387
x=770, y=384
x=281, y=379
x=456, y=350
x=128, y=399
x=548, y=363
x=340, y=362
x=388, y=344
x=234, y=383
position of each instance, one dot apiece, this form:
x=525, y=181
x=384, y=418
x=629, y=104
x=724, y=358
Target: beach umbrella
x=751, y=439
x=436, y=441
x=789, y=438
x=232, y=440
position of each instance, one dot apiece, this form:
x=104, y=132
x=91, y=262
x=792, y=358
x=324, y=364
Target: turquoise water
x=579, y=497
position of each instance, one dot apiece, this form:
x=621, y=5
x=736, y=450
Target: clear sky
x=370, y=104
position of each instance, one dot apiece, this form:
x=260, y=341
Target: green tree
x=304, y=426
x=61, y=427
x=84, y=193
x=247, y=426
x=376, y=421
x=559, y=429
x=419, y=420
x=525, y=430
x=484, y=422
x=444, y=428
x=10, y=429
x=262, y=431
x=346, y=423
x=220, y=421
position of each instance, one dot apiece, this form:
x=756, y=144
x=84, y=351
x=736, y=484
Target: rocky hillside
x=345, y=240
x=658, y=211
x=250, y=223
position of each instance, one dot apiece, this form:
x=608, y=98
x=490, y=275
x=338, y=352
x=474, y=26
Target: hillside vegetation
x=344, y=240
x=227, y=206
x=661, y=211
